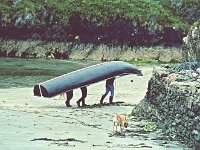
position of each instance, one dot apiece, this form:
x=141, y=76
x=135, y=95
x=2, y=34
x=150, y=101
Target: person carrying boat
x=109, y=88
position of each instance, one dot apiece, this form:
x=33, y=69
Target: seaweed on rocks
x=185, y=66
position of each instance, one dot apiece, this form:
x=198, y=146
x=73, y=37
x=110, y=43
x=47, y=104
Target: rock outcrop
x=65, y=50
x=191, y=48
x=173, y=101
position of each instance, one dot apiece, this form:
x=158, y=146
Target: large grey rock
x=175, y=103
x=191, y=49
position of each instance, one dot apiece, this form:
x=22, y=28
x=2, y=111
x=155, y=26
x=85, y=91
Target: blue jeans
x=109, y=88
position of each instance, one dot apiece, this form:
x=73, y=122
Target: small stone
x=108, y=142
x=178, y=121
x=164, y=142
x=195, y=132
x=173, y=123
x=167, y=146
x=198, y=70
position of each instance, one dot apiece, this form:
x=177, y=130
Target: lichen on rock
x=191, y=47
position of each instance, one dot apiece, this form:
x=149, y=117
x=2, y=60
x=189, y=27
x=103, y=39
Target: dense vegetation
x=132, y=22
x=187, y=10
x=99, y=11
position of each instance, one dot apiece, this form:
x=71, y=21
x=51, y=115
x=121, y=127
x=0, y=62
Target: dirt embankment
x=62, y=50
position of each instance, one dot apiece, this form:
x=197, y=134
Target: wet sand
x=30, y=123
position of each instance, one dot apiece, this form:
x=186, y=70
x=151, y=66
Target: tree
x=98, y=11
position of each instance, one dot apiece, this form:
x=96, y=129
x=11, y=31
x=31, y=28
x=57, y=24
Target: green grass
x=16, y=72
x=143, y=62
x=150, y=62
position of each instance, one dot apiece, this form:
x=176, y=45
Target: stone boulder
x=173, y=101
x=191, y=48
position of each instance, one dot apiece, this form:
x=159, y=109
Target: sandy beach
x=30, y=123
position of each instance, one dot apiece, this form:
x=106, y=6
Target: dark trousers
x=84, y=95
x=69, y=96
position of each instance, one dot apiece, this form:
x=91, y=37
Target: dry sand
x=31, y=123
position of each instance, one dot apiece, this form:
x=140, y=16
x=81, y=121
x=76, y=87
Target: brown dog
x=121, y=121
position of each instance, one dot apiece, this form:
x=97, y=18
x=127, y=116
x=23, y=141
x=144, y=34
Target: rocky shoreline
x=173, y=101
x=64, y=50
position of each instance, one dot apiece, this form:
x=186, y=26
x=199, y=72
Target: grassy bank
x=16, y=72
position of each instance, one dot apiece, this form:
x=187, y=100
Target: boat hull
x=84, y=77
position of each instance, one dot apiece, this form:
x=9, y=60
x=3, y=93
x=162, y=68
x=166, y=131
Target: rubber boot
x=83, y=103
x=111, y=100
x=67, y=104
x=102, y=98
x=78, y=103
